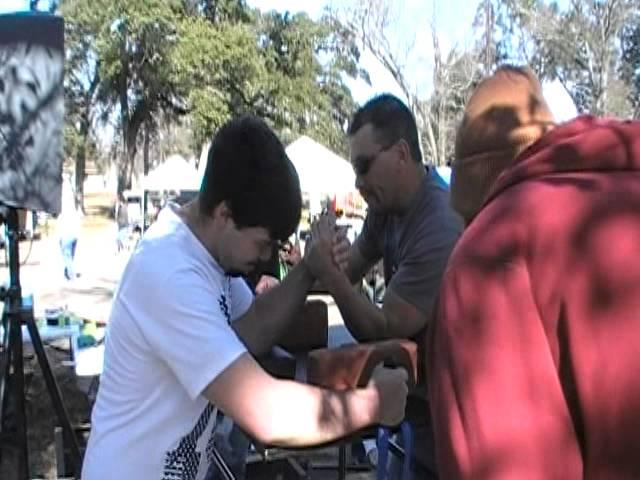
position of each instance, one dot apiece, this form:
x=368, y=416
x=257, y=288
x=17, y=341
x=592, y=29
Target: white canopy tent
x=202, y=162
x=325, y=175
x=321, y=171
x=175, y=173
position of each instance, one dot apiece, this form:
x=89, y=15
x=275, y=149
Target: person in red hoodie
x=534, y=351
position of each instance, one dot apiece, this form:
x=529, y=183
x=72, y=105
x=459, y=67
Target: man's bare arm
x=396, y=319
x=267, y=318
x=287, y=413
x=356, y=265
x=365, y=321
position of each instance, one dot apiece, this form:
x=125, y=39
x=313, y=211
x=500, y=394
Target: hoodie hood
x=586, y=144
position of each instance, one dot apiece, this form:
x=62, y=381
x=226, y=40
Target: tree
x=130, y=44
x=453, y=75
x=305, y=94
x=485, y=22
x=580, y=46
x=268, y=66
x=218, y=66
x=454, y=78
x=136, y=49
x=630, y=68
x=193, y=64
x=82, y=79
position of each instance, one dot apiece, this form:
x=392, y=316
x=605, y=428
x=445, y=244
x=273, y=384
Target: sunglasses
x=362, y=163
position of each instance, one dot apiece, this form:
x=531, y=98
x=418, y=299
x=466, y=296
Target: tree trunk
x=145, y=151
x=81, y=158
x=124, y=176
x=81, y=161
x=489, y=26
x=125, y=169
x=85, y=126
x=131, y=125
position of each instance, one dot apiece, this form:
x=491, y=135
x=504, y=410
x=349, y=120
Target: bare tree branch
x=437, y=114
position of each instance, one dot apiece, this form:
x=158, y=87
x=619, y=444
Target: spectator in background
x=122, y=223
x=265, y=275
x=68, y=228
x=269, y=274
x=290, y=256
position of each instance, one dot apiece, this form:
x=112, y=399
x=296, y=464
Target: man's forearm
x=277, y=307
x=304, y=416
x=365, y=321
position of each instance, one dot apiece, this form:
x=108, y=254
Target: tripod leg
x=56, y=397
x=18, y=388
x=5, y=368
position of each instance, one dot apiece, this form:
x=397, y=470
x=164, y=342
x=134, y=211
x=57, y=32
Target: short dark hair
x=392, y=121
x=248, y=167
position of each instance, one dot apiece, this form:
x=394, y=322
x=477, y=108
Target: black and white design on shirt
x=224, y=307
x=211, y=445
x=223, y=302
x=183, y=462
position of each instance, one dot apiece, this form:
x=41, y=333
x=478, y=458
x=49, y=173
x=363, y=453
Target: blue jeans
x=68, y=248
x=423, y=468
x=233, y=445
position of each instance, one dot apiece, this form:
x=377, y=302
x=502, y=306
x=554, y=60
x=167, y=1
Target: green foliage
x=72, y=143
x=220, y=68
x=208, y=61
x=286, y=69
x=307, y=62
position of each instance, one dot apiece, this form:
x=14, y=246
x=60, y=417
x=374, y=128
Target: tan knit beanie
x=505, y=114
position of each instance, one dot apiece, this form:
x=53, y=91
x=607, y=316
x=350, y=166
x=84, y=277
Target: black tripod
x=13, y=434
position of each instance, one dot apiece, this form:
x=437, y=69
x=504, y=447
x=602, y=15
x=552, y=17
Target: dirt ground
x=41, y=418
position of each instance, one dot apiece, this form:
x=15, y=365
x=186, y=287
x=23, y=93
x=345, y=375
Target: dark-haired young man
x=409, y=225
x=184, y=326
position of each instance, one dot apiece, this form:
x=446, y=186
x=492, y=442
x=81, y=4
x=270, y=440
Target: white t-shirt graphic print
x=169, y=335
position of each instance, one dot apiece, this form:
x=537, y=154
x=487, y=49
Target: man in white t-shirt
x=184, y=327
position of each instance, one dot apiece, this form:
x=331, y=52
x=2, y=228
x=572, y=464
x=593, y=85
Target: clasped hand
x=328, y=248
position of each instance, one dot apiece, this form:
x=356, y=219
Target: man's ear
x=222, y=212
x=404, y=151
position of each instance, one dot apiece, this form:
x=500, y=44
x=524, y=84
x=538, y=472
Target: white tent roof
x=174, y=174
x=202, y=163
x=560, y=102
x=321, y=171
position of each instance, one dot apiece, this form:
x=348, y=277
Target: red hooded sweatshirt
x=534, y=355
